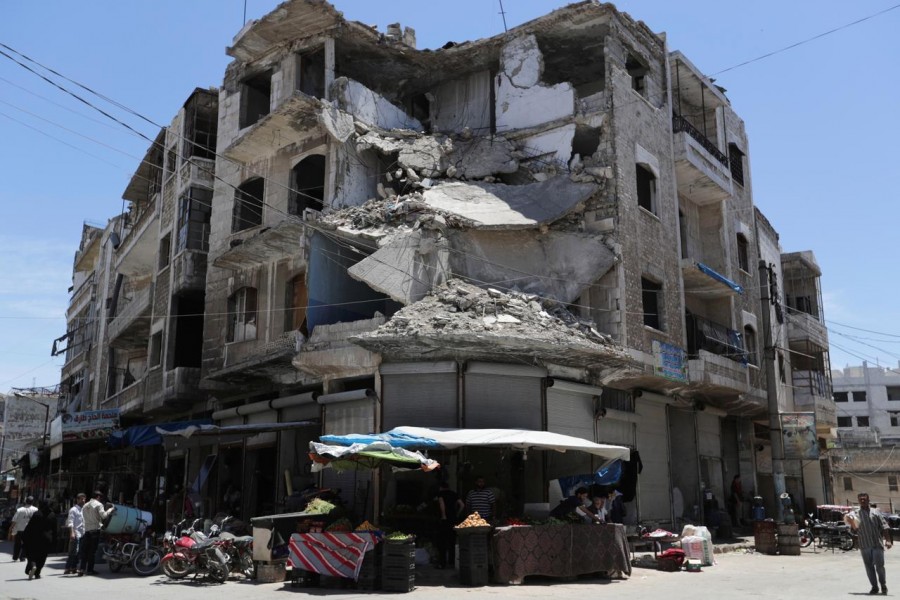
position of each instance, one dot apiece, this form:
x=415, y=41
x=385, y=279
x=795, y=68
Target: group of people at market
x=601, y=508
x=34, y=529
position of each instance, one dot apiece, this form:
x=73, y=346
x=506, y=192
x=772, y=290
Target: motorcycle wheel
x=248, y=567
x=176, y=568
x=146, y=561
x=846, y=543
x=114, y=567
x=217, y=571
x=806, y=538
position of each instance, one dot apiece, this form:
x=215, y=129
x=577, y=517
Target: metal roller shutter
x=424, y=395
x=356, y=416
x=570, y=413
x=655, y=488
x=267, y=438
x=503, y=401
x=304, y=412
x=709, y=435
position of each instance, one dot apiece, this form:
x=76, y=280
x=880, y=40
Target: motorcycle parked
x=192, y=553
x=123, y=551
x=239, y=548
x=826, y=534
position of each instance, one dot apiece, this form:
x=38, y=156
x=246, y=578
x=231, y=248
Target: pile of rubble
x=396, y=211
x=459, y=316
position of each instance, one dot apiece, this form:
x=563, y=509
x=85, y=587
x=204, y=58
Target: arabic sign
x=670, y=362
x=24, y=419
x=92, y=424
x=798, y=432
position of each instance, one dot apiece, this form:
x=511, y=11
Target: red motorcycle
x=190, y=552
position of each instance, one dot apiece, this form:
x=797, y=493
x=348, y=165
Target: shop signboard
x=670, y=361
x=798, y=432
x=89, y=425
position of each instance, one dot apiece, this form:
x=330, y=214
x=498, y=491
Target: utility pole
x=765, y=275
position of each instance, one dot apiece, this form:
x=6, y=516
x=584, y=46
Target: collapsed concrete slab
x=500, y=206
x=369, y=107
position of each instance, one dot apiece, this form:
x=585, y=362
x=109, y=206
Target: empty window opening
x=242, y=315
x=248, y=205
x=193, y=220
x=256, y=97
x=165, y=248
x=200, y=126
x=586, y=141
x=862, y=421
x=576, y=59
x=859, y=396
x=171, y=161
x=187, y=346
x=895, y=419
x=845, y=421
x=892, y=483
x=750, y=345
x=311, y=73
x=156, y=349
x=848, y=484
x=683, y=231
x=307, y=184
x=296, y=302
x=651, y=295
x=646, y=188
x=638, y=73
x=841, y=396
x=893, y=393
x=736, y=162
x=743, y=248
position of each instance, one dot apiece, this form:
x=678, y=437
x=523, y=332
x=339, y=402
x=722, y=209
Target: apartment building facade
x=551, y=229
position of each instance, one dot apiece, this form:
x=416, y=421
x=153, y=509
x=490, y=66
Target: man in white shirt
x=75, y=523
x=19, y=522
x=94, y=514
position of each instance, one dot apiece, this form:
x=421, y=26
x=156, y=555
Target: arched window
x=307, y=184
x=750, y=345
x=248, y=205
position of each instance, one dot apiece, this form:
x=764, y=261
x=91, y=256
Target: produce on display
x=317, y=506
x=341, y=525
x=473, y=520
x=366, y=526
x=397, y=536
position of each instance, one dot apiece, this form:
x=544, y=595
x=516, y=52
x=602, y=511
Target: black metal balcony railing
x=703, y=334
x=680, y=124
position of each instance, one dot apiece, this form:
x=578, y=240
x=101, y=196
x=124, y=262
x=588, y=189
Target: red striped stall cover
x=333, y=554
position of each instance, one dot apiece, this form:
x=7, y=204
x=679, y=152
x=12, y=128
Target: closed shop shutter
x=268, y=438
x=419, y=394
x=356, y=416
x=304, y=412
x=503, y=401
x=570, y=413
x=615, y=431
x=709, y=435
x=232, y=421
x=654, y=486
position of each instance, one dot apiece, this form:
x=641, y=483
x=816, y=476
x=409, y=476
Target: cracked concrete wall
x=370, y=107
x=522, y=100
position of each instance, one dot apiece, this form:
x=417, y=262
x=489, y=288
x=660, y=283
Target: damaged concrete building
x=549, y=229
x=135, y=319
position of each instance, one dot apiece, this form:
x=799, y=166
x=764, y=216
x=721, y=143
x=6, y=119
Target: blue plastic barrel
x=758, y=513
x=128, y=519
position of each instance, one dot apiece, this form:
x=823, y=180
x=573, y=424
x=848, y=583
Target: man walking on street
x=94, y=514
x=19, y=522
x=75, y=523
x=874, y=537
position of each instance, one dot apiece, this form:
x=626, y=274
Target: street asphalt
x=738, y=573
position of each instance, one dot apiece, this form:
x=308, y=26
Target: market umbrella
x=368, y=455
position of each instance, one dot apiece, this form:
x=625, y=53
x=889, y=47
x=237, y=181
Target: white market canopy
x=522, y=439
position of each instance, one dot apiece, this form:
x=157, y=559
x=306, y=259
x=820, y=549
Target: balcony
x=283, y=240
x=257, y=359
x=130, y=327
x=702, y=171
x=812, y=392
x=177, y=389
x=292, y=121
x=128, y=400
x=705, y=282
x=708, y=336
x=197, y=171
x=330, y=353
x=138, y=249
x=189, y=272
x=806, y=329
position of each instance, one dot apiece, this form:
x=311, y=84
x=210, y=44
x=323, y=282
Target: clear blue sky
x=822, y=120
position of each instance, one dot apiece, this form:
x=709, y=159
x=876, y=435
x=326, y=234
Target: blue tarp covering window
x=146, y=435
x=719, y=277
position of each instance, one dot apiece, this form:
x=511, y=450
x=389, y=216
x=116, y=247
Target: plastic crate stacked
x=764, y=537
x=370, y=572
x=398, y=567
x=474, y=548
